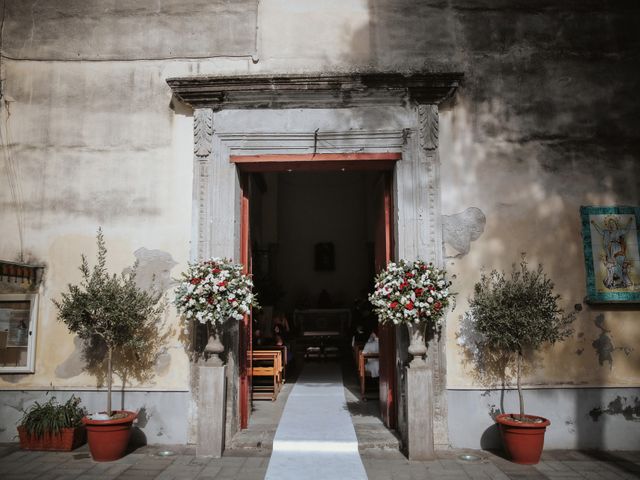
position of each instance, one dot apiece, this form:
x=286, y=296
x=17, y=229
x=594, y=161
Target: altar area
x=321, y=333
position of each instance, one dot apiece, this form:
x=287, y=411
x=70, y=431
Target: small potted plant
x=52, y=426
x=414, y=293
x=109, y=313
x=515, y=315
x=212, y=292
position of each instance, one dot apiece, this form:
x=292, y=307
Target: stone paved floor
x=145, y=463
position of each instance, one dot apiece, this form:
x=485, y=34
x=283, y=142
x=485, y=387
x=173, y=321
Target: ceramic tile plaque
x=611, y=252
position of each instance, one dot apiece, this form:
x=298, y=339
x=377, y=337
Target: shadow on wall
x=148, y=357
x=138, y=362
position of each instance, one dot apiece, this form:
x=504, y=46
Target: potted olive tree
x=515, y=315
x=110, y=313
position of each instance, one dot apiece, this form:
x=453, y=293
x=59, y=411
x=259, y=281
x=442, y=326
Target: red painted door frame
x=386, y=333
x=245, y=332
x=384, y=246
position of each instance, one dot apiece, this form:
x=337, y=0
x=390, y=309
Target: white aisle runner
x=315, y=438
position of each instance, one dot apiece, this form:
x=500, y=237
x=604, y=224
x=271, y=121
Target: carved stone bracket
x=428, y=119
x=202, y=132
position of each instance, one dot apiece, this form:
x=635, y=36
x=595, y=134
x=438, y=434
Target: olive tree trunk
x=109, y=380
x=518, y=374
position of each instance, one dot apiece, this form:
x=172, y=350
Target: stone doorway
x=308, y=115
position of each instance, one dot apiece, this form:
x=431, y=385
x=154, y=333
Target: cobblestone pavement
x=146, y=463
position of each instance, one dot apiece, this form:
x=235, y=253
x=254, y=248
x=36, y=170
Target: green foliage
x=515, y=314
x=110, y=313
x=111, y=307
x=518, y=312
x=52, y=417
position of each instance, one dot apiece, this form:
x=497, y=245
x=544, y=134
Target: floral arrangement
x=411, y=292
x=215, y=290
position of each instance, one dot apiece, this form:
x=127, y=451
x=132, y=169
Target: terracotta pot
x=522, y=441
x=108, y=439
x=64, y=441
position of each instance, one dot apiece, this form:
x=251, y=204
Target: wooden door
x=246, y=330
x=387, y=338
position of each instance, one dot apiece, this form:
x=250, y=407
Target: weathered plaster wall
x=575, y=422
x=546, y=121
x=162, y=416
x=543, y=125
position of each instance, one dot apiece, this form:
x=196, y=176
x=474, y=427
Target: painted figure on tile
x=615, y=252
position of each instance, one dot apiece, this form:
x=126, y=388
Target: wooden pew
x=283, y=351
x=267, y=363
x=357, y=348
x=362, y=372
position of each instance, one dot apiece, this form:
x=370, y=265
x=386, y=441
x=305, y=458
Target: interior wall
x=318, y=207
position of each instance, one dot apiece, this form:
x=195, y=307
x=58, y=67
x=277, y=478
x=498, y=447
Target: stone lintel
x=314, y=91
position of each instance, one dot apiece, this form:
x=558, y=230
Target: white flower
x=206, y=301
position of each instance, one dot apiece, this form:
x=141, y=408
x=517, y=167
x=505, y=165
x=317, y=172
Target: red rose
x=409, y=275
x=403, y=284
x=221, y=284
x=409, y=306
x=393, y=304
x=209, y=300
x=437, y=305
x=216, y=270
x=195, y=281
x=418, y=291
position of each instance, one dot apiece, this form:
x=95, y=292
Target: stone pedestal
x=211, y=410
x=420, y=414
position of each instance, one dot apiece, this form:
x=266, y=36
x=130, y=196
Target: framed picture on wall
x=612, y=254
x=324, y=257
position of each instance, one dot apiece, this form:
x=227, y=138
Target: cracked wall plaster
x=163, y=362
x=629, y=409
x=154, y=269
x=460, y=229
x=604, y=345
x=74, y=364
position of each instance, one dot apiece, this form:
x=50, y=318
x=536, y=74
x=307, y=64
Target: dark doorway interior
x=315, y=243
x=315, y=225
x=312, y=237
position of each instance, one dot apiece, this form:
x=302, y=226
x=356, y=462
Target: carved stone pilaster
x=202, y=147
x=436, y=357
x=203, y=220
x=428, y=141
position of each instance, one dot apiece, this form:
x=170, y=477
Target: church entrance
x=315, y=230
